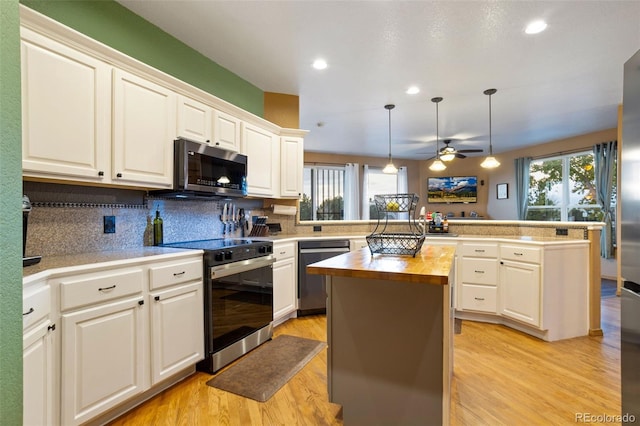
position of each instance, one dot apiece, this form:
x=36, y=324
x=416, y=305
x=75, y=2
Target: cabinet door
x=226, y=131
x=103, y=358
x=284, y=288
x=263, y=161
x=194, y=120
x=144, y=129
x=177, y=330
x=37, y=359
x=66, y=112
x=520, y=291
x=292, y=165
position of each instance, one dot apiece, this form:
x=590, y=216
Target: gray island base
x=390, y=340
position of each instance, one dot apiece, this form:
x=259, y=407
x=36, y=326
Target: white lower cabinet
x=284, y=281
x=520, y=291
x=177, y=330
x=103, y=358
x=38, y=356
x=123, y=330
x=478, y=278
x=38, y=379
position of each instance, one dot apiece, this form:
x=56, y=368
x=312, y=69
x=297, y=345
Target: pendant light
x=490, y=162
x=390, y=168
x=437, y=165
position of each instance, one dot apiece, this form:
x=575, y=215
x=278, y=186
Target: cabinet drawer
x=480, y=271
x=99, y=287
x=480, y=250
x=169, y=274
x=479, y=298
x=35, y=306
x=284, y=251
x=519, y=253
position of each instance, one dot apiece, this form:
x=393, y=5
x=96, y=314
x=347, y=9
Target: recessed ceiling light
x=535, y=27
x=413, y=90
x=319, y=64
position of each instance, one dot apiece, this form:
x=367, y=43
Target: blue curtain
x=522, y=186
x=604, y=158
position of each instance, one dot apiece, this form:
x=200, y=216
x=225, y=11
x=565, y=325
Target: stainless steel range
x=238, y=297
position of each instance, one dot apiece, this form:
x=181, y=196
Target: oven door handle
x=242, y=266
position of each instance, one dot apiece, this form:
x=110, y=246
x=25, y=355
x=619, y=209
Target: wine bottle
x=157, y=229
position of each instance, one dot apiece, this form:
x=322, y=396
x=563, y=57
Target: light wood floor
x=501, y=377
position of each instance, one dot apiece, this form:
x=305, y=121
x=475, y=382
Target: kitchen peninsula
x=389, y=331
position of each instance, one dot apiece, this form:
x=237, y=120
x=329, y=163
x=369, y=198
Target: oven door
x=240, y=301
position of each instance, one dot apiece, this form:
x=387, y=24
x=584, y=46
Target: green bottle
x=157, y=229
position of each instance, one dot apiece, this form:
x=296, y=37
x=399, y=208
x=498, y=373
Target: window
x=376, y=182
x=323, y=193
x=563, y=189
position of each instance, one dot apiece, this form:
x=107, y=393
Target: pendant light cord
x=389, y=135
x=490, y=92
x=437, y=134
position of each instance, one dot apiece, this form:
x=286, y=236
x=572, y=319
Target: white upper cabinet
x=93, y=114
x=226, y=131
x=194, y=120
x=143, y=131
x=292, y=165
x=262, y=149
x=66, y=112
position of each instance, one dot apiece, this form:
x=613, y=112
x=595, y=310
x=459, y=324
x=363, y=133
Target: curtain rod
x=570, y=151
x=559, y=153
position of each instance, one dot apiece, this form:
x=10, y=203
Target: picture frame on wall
x=502, y=191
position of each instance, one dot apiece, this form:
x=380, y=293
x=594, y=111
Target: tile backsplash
x=68, y=219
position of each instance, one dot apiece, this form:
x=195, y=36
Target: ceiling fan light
x=490, y=162
x=437, y=166
x=390, y=169
x=447, y=156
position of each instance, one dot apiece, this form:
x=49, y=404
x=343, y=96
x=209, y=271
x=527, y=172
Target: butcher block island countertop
x=389, y=332
x=430, y=266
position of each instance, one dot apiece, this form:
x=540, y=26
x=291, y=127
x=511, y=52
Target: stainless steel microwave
x=201, y=170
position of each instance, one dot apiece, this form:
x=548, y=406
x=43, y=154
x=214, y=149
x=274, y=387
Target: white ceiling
x=563, y=82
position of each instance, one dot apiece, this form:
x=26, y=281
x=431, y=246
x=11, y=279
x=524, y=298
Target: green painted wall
x=118, y=27
x=10, y=217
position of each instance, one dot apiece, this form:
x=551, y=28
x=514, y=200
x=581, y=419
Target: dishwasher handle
x=324, y=250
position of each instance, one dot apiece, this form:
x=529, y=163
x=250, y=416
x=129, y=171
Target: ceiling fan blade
x=458, y=155
x=469, y=150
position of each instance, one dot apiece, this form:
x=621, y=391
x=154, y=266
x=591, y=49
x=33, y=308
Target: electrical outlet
x=317, y=228
x=109, y=224
x=562, y=231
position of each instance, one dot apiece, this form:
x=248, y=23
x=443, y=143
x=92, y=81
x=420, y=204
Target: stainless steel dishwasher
x=312, y=295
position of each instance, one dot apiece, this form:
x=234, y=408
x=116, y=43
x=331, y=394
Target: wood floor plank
x=501, y=377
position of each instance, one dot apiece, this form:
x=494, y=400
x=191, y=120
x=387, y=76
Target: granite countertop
x=430, y=266
x=451, y=236
x=79, y=261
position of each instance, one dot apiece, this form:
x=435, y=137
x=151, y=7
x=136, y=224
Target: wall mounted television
x=452, y=189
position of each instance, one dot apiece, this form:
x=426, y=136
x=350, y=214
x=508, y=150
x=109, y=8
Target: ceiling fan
x=447, y=153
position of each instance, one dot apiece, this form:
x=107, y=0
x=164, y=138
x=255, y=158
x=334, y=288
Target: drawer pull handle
x=479, y=251
x=52, y=327
x=156, y=298
x=479, y=298
x=107, y=288
x=140, y=302
x=282, y=252
x=518, y=254
x=479, y=272
x=30, y=311
x=177, y=274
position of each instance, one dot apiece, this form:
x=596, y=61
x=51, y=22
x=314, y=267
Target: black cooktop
x=227, y=250
x=215, y=244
